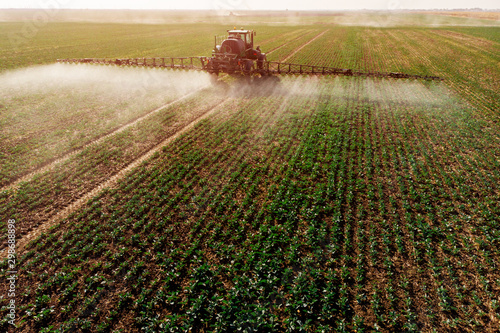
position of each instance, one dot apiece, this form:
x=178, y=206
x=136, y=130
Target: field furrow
x=40, y=199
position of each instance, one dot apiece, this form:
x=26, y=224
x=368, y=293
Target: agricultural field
x=152, y=200
x=488, y=15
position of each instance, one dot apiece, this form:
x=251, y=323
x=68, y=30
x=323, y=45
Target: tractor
x=236, y=55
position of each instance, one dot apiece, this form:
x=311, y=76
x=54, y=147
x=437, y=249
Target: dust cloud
x=402, y=18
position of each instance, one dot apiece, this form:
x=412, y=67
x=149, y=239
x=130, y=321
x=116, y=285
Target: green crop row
x=286, y=213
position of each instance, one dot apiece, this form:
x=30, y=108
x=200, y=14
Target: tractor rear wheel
x=214, y=78
x=260, y=62
x=248, y=66
x=212, y=67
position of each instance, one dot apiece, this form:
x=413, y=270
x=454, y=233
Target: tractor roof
x=239, y=31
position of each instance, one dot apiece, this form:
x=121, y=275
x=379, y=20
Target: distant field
x=150, y=200
x=363, y=18
x=486, y=15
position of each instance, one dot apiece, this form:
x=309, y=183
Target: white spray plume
x=64, y=76
x=59, y=106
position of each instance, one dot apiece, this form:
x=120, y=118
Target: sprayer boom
x=214, y=66
x=237, y=56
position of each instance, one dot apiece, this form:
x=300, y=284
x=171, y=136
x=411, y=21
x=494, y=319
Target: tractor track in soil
x=112, y=181
x=51, y=164
x=297, y=50
x=286, y=43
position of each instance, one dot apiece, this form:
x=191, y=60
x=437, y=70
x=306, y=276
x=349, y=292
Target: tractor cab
x=245, y=35
x=238, y=44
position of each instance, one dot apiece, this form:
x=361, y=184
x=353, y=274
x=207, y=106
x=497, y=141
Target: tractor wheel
x=248, y=66
x=211, y=67
x=214, y=78
x=260, y=62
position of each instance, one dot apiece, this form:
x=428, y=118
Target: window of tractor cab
x=235, y=35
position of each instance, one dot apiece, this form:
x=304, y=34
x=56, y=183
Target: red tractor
x=236, y=55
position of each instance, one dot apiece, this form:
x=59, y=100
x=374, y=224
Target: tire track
x=286, y=43
x=300, y=48
x=50, y=165
x=21, y=243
